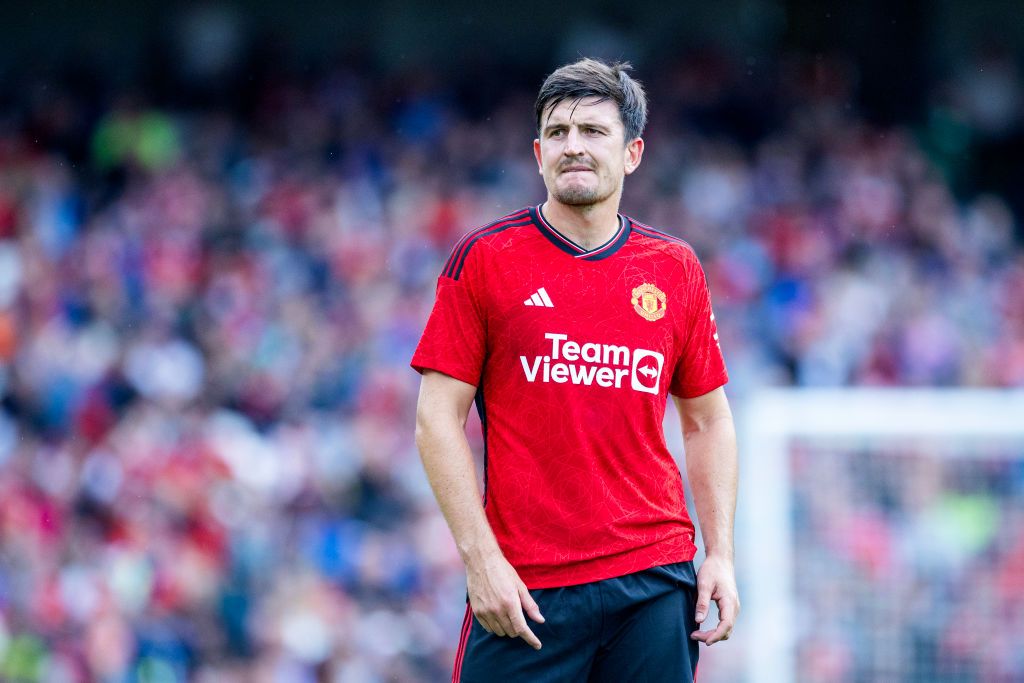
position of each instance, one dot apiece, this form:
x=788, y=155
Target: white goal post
x=768, y=422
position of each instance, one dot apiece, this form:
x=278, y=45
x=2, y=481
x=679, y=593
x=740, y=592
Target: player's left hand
x=716, y=581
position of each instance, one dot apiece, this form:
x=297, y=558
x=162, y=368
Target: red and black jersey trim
x=457, y=259
x=568, y=246
x=648, y=231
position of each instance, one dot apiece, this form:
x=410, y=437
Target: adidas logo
x=539, y=298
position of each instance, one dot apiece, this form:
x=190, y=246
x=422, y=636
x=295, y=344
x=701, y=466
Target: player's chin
x=577, y=195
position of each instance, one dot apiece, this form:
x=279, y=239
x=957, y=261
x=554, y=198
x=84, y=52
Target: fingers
x=521, y=630
x=529, y=605
x=508, y=621
x=703, y=601
x=491, y=624
x=491, y=621
x=728, y=609
x=721, y=632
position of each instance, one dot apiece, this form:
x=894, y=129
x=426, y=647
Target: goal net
x=880, y=537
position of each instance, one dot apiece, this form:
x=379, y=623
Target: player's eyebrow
x=579, y=124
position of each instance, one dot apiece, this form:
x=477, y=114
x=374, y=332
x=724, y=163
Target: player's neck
x=587, y=226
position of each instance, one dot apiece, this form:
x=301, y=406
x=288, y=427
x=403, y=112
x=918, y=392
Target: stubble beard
x=575, y=195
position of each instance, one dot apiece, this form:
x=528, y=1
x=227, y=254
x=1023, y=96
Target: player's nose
x=573, y=143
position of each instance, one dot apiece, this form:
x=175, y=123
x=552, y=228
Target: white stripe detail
x=540, y=298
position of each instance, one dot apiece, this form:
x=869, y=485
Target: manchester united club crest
x=649, y=301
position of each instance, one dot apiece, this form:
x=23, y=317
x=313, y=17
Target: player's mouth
x=577, y=169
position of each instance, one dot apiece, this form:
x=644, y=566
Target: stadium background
x=220, y=227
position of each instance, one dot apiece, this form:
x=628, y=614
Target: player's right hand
x=498, y=598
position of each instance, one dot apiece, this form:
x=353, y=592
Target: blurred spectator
x=206, y=461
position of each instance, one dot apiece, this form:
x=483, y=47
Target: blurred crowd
x=206, y=462
x=911, y=566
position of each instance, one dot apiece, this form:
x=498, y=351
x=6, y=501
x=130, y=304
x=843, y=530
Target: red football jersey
x=573, y=353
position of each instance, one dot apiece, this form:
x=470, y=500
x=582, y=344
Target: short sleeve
x=454, y=340
x=700, y=367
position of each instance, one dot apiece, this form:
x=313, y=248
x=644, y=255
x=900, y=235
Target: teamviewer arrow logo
x=647, y=370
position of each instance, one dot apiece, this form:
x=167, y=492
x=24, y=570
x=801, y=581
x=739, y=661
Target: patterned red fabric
x=573, y=353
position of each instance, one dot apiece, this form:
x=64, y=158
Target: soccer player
x=569, y=324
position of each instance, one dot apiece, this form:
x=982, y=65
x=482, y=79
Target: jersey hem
x=694, y=392
x=678, y=549
x=419, y=366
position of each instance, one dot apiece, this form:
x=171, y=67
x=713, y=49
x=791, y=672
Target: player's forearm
x=448, y=462
x=712, y=468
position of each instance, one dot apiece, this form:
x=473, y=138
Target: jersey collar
x=603, y=251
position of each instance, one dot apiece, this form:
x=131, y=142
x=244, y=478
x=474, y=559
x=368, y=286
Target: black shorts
x=631, y=628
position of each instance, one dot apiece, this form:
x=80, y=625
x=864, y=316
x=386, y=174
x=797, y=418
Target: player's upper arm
x=699, y=413
x=443, y=399
x=454, y=340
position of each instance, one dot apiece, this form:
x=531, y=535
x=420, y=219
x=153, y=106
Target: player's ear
x=634, y=153
x=536, y=154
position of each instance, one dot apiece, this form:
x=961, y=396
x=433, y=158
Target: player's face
x=582, y=151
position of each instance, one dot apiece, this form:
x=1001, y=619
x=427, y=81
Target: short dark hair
x=593, y=78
